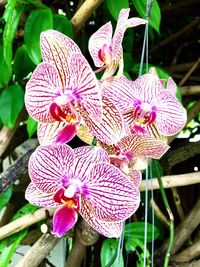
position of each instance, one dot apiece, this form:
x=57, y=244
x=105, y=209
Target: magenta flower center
x=63, y=107
x=105, y=54
x=144, y=114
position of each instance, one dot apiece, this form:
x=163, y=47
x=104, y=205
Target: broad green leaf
x=155, y=14
x=31, y=126
x=12, y=16
x=5, y=69
x=109, y=251
x=136, y=230
x=38, y=21
x=62, y=24
x=9, y=245
x=23, y=65
x=11, y=103
x=133, y=244
x=35, y=3
x=5, y=197
x=157, y=169
x=114, y=7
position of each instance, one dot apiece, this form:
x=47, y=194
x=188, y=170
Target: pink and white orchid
x=105, y=49
x=81, y=181
x=146, y=105
x=60, y=86
x=133, y=148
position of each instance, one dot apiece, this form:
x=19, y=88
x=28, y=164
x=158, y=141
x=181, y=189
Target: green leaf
x=12, y=17
x=23, y=65
x=62, y=24
x=157, y=169
x=31, y=126
x=108, y=251
x=5, y=69
x=136, y=230
x=11, y=103
x=38, y=21
x=35, y=3
x=155, y=14
x=5, y=197
x=114, y=7
x=9, y=245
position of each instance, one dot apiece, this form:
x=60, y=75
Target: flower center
x=105, y=54
x=144, y=114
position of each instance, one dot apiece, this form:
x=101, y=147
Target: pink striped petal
x=133, y=22
x=49, y=165
x=120, y=91
x=171, y=86
x=171, y=116
x=119, y=32
x=41, y=90
x=110, y=193
x=63, y=220
x=56, y=49
x=112, y=128
x=147, y=87
x=39, y=198
x=109, y=229
x=57, y=132
x=100, y=38
x=87, y=87
x=143, y=146
x=86, y=157
x=135, y=176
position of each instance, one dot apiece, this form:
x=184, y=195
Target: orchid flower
x=81, y=181
x=106, y=51
x=133, y=148
x=146, y=105
x=59, y=87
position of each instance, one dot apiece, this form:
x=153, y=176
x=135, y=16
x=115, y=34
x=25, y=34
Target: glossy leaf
x=12, y=16
x=135, y=230
x=62, y=24
x=31, y=126
x=155, y=14
x=11, y=103
x=23, y=65
x=109, y=251
x=38, y=21
x=5, y=197
x=114, y=7
x=9, y=245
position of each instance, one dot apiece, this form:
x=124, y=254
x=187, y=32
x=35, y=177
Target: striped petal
x=171, y=86
x=171, y=116
x=119, y=32
x=41, y=90
x=112, y=128
x=49, y=165
x=109, y=229
x=110, y=193
x=56, y=133
x=56, y=49
x=135, y=176
x=87, y=87
x=133, y=22
x=147, y=87
x=143, y=146
x=64, y=219
x=120, y=91
x=39, y=198
x=101, y=37
x=86, y=157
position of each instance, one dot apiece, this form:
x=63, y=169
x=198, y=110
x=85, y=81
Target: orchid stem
x=171, y=217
